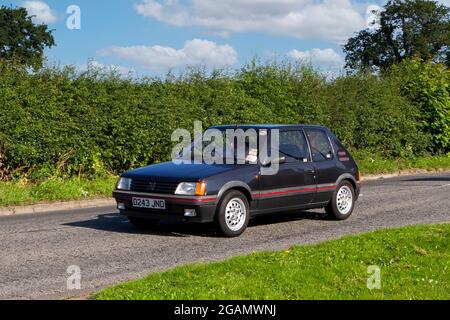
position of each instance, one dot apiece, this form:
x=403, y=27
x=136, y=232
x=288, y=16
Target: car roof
x=266, y=126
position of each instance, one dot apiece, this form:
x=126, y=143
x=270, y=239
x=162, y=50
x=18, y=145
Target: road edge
x=408, y=172
x=108, y=202
x=45, y=207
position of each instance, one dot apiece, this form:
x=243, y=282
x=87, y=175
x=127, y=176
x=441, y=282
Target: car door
x=324, y=162
x=294, y=184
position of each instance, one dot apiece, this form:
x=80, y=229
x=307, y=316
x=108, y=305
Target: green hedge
x=63, y=122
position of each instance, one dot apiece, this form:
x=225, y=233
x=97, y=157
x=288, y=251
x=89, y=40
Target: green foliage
x=370, y=113
x=21, y=41
x=414, y=263
x=427, y=85
x=60, y=122
x=407, y=29
x=23, y=192
x=373, y=163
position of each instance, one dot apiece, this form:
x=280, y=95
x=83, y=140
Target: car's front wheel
x=343, y=201
x=142, y=223
x=233, y=214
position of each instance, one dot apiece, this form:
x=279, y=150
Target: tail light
x=343, y=155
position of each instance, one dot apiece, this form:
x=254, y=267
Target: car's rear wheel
x=142, y=223
x=233, y=214
x=343, y=201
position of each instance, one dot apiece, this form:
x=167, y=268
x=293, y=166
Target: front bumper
x=205, y=207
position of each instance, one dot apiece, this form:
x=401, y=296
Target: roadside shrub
x=370, y=113
x=427, y=86
x=62, y=122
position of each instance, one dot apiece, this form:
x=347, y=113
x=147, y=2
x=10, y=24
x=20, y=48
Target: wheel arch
x=350, y=178
x=236, y=185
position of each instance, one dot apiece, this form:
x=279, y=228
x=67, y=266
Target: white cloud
x=122, y=70
x=332, y=20
x=324, y=58
x=41, y=11
x=327, y=61
x=195, y=52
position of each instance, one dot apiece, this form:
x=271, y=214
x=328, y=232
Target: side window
x=293, y=144
x=320, y=145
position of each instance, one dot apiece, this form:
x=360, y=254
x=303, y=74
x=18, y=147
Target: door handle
x=311, y=171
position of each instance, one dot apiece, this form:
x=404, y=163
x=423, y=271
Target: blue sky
x=152, y=36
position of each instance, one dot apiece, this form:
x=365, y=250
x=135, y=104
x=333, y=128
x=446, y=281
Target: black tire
x=336, y=211
x=237, y=202
x=142, y=223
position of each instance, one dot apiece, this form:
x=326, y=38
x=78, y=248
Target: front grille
x=141, y=185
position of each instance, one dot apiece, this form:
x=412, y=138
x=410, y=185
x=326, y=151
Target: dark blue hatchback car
x=314, y=171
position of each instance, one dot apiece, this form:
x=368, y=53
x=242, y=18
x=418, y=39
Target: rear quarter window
x=321, y=148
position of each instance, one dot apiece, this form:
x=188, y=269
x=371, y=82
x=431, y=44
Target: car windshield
x=230, y=149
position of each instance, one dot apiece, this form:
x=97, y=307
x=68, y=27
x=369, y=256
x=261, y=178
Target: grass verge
x=374, y=164
x=414, y=264
x=20, y=192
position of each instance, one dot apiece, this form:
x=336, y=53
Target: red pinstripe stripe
x=326, y=187
x=192, y=200
x=293, y=191
x=268, y=194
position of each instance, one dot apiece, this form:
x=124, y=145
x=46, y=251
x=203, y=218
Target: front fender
x=234, y=184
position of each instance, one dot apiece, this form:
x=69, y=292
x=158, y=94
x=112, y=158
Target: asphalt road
x=36, y=250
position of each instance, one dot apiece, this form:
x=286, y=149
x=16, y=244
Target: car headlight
x=191, y=188
x=124, y=184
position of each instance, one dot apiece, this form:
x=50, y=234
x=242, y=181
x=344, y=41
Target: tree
x=21, y=41
x=406, y=29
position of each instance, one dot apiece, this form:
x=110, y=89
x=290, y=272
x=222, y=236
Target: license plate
x=149, y=203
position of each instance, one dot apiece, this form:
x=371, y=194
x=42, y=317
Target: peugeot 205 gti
x=313, y=170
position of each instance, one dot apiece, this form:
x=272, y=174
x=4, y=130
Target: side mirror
x=304, y=157
x=268, y=162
